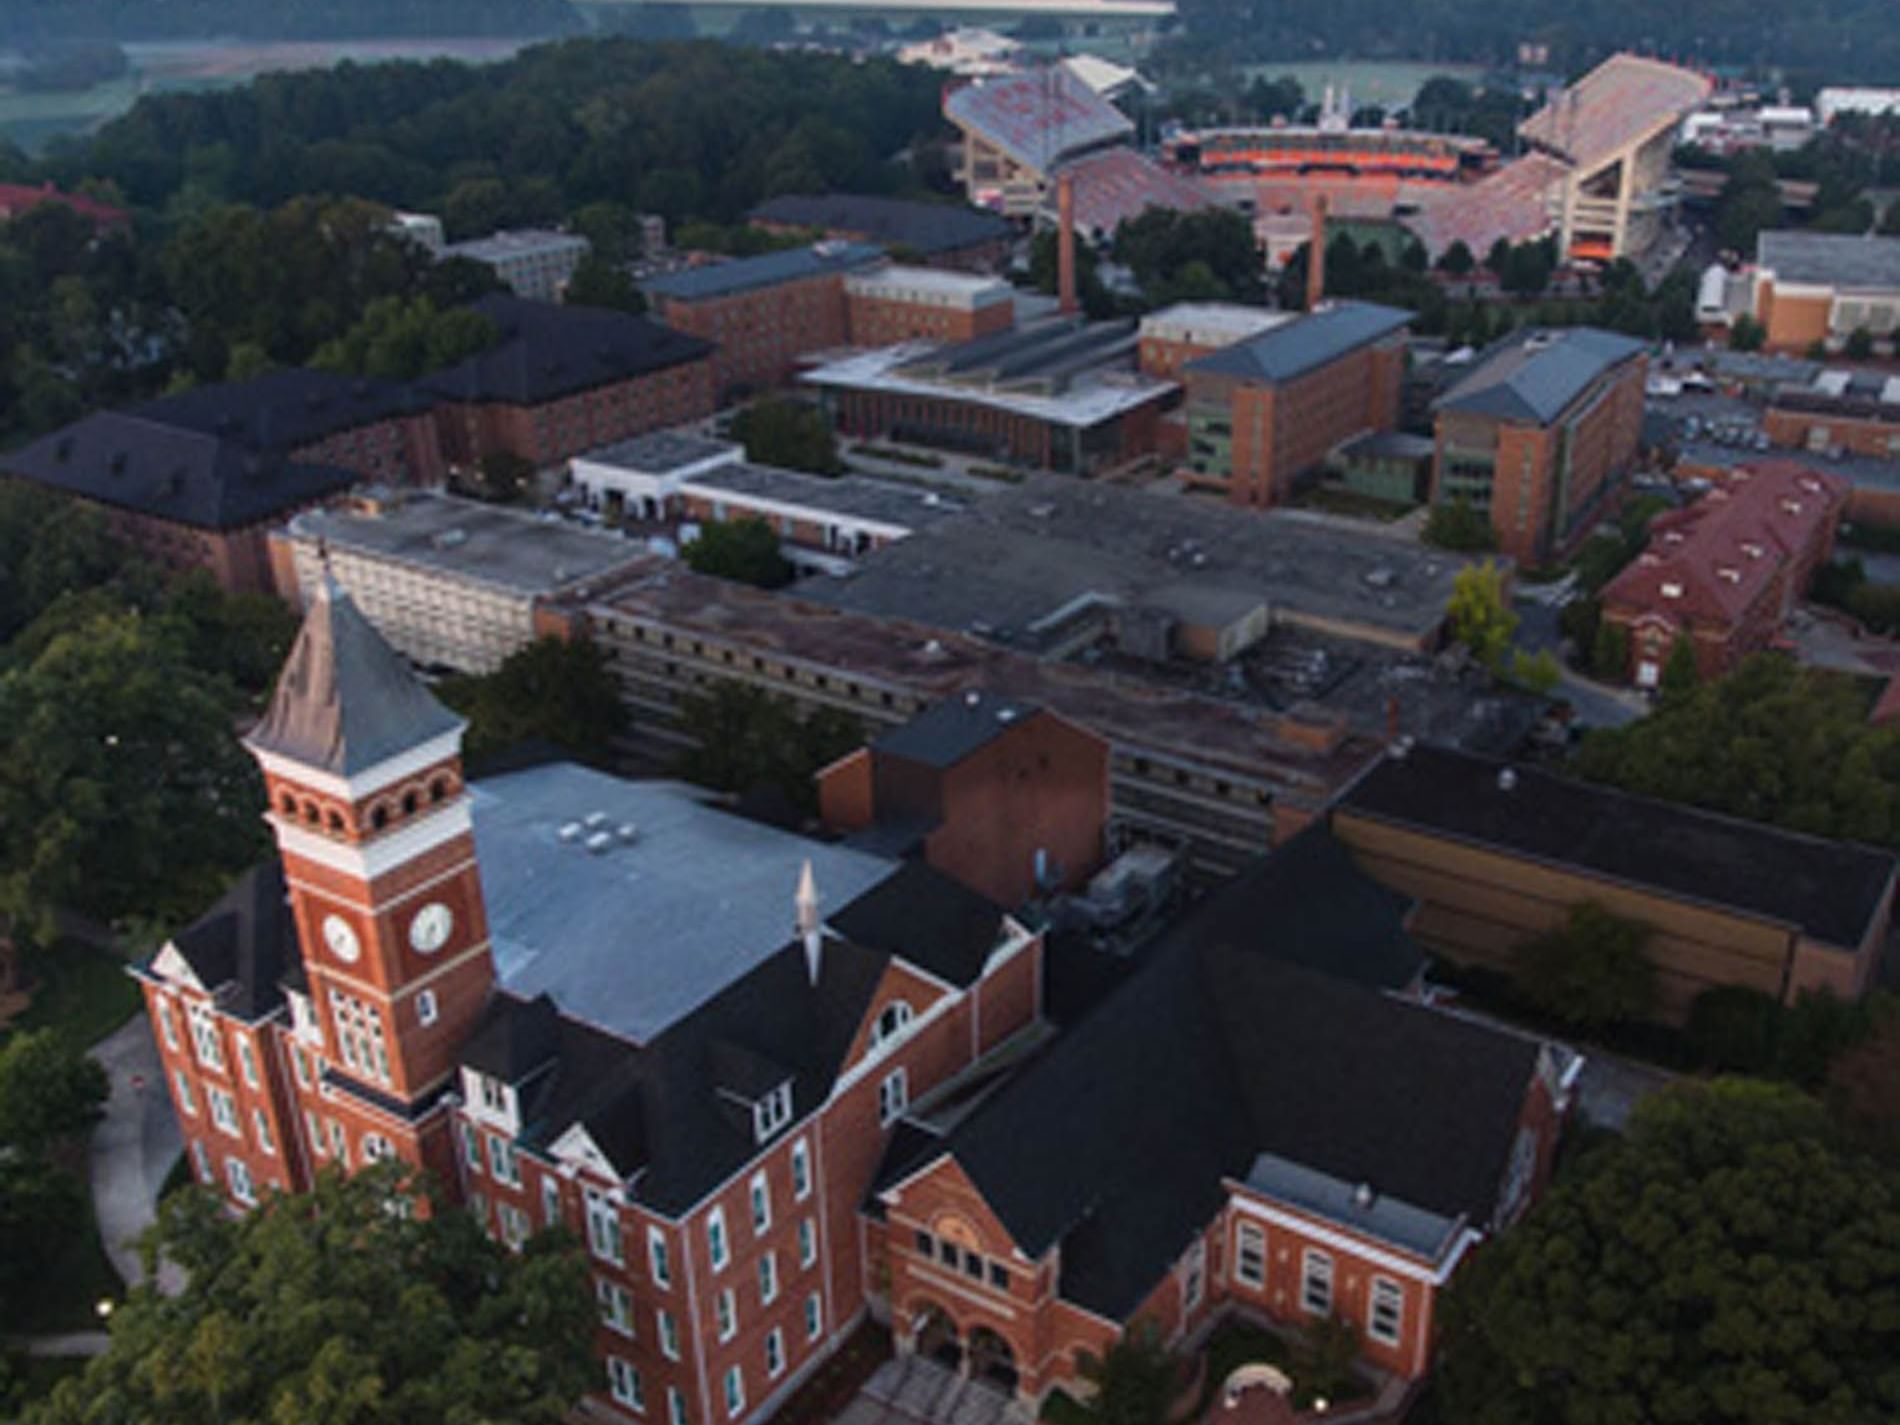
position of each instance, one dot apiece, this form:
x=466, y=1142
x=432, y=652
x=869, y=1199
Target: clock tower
x=363, y=771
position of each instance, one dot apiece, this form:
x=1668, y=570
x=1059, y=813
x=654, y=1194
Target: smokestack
x=1065, y=243
x=1316, y=256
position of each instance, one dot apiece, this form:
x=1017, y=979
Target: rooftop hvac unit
x=571, y=831
x=599, y=842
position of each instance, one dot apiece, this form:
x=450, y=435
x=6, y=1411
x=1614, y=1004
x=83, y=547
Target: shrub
x=1592, y=971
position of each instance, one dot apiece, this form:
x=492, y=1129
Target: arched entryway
x=991, y=1359
x=933, y=1335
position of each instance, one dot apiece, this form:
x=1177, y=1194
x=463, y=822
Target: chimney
x=806, y=902
x=1316, y=256
x=1065, y=243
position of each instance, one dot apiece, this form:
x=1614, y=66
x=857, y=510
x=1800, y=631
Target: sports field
x=1387, y=83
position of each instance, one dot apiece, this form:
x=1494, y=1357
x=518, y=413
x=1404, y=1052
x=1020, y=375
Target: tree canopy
x=1479, y=613
x=1591, y=971
x=1729, y=1261
x=746, y=550
x=795, y=435
x=1772, y=741
x=750, y=740
x=49, y=1090
x=338, y=1307
x=556, y=691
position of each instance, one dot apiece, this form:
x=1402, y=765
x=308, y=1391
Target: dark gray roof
x=1534, y=376
x=923, y=916
x=1830, y=890
x=514, y=1038
x=746, y=274
x=1842, y=260
x=1310, y=905
x=1294, y=348
x=136, y=463
x=944, y=733
x=346, y=700
x=245, y=943
x=927, y=228
x=1211, y=1056
x=281, y=411
x=548, y=351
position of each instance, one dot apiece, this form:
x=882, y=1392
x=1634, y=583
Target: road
x=1597, y=704
x=133, y=1148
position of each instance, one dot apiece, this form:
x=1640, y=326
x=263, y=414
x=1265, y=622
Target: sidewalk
x=133, y=1148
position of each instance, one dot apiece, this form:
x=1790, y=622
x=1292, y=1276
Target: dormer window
x=894, y=1020
x=1672, y=591
x=772, y=1112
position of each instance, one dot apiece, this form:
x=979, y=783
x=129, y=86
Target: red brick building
x=1006, y=797
x=1726, y=571
x=885, y=305
x=708, y=1076
x=1540, y=436
x=567, y=379
x=1264, y=413
x=181, y=498
x=1858, y=412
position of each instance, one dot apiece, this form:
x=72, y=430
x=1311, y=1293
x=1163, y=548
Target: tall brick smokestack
x=1065, y=243
x=1316, y=255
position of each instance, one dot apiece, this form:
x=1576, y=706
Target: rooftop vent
x=571, y=831
x=972, y=698
x=1362, y=1195
x=1672, y=591
x=594, y=820
x=117, y=463
x=1507, y=779
x=451, y=539
x=627, y=832
x=599, y=842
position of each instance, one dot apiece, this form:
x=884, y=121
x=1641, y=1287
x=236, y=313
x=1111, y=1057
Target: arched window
x=311, y=814
x=891, y=1023
x=289, y=804
x=379, y=818
x=409, y=803
x=438, y=789
x=336, y=820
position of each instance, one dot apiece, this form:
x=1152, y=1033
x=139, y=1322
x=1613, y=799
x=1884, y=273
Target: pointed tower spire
x=809, y=930
x=346, y=700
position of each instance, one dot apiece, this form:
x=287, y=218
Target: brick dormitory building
x=774, y=1084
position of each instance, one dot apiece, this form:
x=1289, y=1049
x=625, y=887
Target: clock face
x=341, y=939
x=429, y=931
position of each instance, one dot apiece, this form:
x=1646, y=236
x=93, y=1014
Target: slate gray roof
x=1534, y=376
x=1209, y=1057
x=1841, y=260
x=946, y=732
x=927, y=228
x=1294, y=348
x=244, y=944
x=746, y=274
x=1830, y=890
x=280, y=411
x=346, y=700
x=134, y=462
x=548, y=351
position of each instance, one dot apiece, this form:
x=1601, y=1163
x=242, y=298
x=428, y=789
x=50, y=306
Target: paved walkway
x=910, y=1390
x=133, y=1148
x=70, y=1343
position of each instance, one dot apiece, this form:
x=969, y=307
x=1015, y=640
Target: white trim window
x=1250, y=1254
x=238, y=1173
x=675, y=1406
x=669, y=1334
x=187, y=1100
x=551, y=1201
x=247, y=1060
x=204, y=1034
x=807, y=1242
x=801, y=1170
x=1316, y=1282
x=1194, y=1276
x=359, y=1036
x=1385, y=1311
x=775, y=1353
x=603, y=1227
x=260, y=1129
x=167, y=1024
x=471, y=1146
x=735, y=1392
x=814, y=1317
x=623, y=1384
x=893, y=1097
x=718, y=1248
x=515, y=1225
x=616, y=1306
x=892, y=1022
x=224, y=1111
x=339, y=1143
x=300, y=1065
x=659, y=1260
x=202, y=1161
x=726, y=1314
x=313, y=1130
x=426, y=1008
x=760, y=1193
x=377, y=1149
x=772, y=1112
x=768, y=1278
x=501, y=1161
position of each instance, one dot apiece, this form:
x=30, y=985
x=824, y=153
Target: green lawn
x=78, y=1278
x=79, y=989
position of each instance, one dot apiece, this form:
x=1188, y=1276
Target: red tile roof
x=1624, y=99
x=1118, y=183
x=1711, y=561
x=17, y=198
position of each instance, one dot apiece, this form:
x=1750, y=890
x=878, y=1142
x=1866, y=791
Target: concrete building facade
x=529, y=262
x=1823, y=287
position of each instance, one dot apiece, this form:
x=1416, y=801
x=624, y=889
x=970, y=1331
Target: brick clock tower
x=367, y=801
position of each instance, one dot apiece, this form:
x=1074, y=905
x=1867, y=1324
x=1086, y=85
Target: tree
x=1610, y=653
x=42, y=1208
x=1538, y=672
x=1134, y=1379
x=1747, y=334
x=1097, y=301
x=746, y=550
x=794, y=435
x=1592, y=972
x=599, y=283
x=501, y=477
x=1457, y=524
x=1860, y=344
x=1456, y=260
x=749, y=739
x=332, y=1306
x=559, y=691
x=1479, y=614
x=1680, y=675
x=400, y=340
x=1727, y=1261
x=1863, y=1089
x=1212, y=252
x=48, y=1089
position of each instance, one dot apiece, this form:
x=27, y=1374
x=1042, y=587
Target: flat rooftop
x=1839, y=260
x=501, y=246
x=1011, y=564
x=861, y=497
x=931, y=285
x=1211, y=323
x=632, y=937
x=468, y=540
x=770, y=269
x=663, y=452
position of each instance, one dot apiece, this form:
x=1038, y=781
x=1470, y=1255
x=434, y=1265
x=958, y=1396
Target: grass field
x=80, y=990
x=1388, y=84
